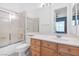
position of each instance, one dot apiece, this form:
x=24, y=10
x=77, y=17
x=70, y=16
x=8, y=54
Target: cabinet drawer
x=63, y=54
x=74, y=51
x=64, y=48
x=34, y=53
x=49, y=45
x=68, y=49
x=48, y=52
x=35, y=42
x=36, y=48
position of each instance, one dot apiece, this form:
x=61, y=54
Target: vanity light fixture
x=12, y=16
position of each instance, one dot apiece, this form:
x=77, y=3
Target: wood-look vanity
x=47, y=48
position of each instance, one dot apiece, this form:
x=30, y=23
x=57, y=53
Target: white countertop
x=69, y=40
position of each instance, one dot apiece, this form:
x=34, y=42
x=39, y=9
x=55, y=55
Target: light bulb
x=12, y=16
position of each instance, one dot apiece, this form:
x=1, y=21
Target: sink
x=58, y=35
x=64, y=39
x=68, y=39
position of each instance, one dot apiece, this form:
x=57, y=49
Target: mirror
x=77, y=7
x=74, y=15
x=75, y=19
x=61, y=20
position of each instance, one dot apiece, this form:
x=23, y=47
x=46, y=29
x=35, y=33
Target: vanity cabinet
x=35, y=47
x=68, y=50
x=63, y=54
x=35, y=53
x=48, y=52
x=45, y=48
x=48, y=48
x=50, y=45
x=36, y=42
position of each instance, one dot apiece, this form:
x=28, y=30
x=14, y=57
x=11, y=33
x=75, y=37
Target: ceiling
x=18, y=7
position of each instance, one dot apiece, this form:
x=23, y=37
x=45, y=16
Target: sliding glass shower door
x=17, y=29
x=11, y=28
x=4, y=28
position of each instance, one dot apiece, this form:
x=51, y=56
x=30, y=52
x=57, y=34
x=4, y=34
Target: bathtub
x=10, y=49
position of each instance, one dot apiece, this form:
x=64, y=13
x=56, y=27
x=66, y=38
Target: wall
x=18, y=7
x=31, y=22
x=47, y=17
x=44, y=19
x=62, y=12
x=69, y=19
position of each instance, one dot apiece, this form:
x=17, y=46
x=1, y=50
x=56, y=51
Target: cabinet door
x=68, y=49
x=48, y=52
x=4, y=28
x=35, y=42
x=36, y=48
x=34, y=53
x=63, y=54
x=49, y=45
x=63, y=48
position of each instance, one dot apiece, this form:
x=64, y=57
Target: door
x=11, y=28
x=4, y=28
x=17, y=28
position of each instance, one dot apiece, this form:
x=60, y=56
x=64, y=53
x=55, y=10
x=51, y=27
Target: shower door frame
x=8, y=12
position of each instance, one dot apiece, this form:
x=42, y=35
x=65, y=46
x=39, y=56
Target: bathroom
x=27, y=28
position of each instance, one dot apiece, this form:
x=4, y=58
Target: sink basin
x=68, y=39
x=64, y=39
